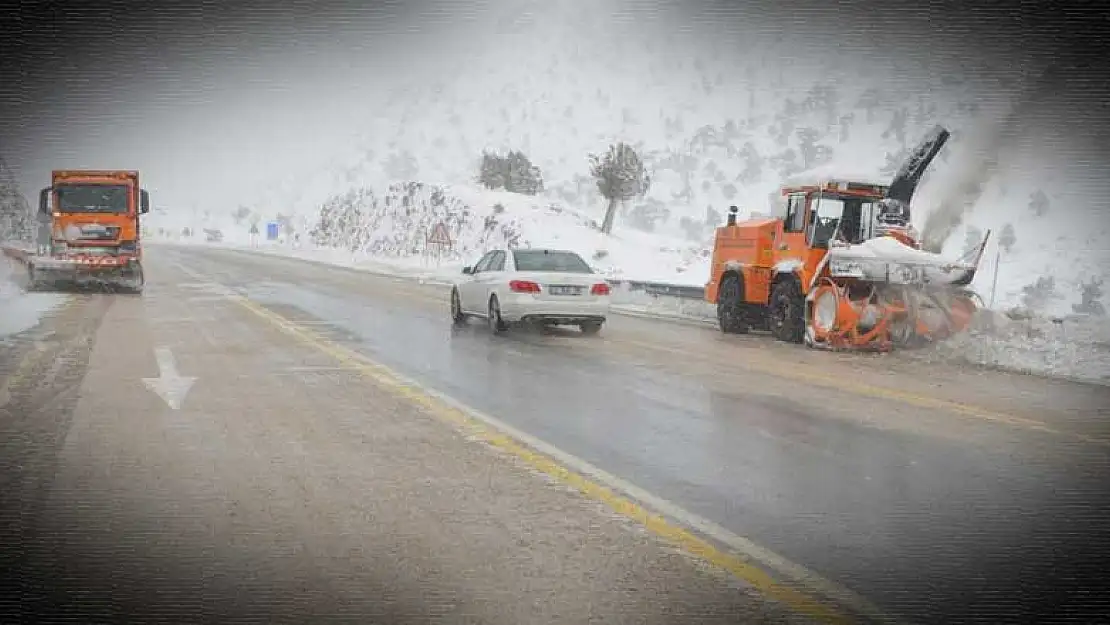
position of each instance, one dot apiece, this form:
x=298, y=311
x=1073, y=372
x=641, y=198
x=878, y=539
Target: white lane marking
x=171, y=386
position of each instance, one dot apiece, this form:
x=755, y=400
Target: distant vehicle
x=213, y=236
x=540, y=286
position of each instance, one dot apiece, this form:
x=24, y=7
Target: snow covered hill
x=719, y=121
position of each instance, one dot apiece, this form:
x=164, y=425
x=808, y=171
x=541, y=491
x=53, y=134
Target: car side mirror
x=144, y=202
x=468, y=270
x=44, y=201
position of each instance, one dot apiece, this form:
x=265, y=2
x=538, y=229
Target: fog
x=216, y=105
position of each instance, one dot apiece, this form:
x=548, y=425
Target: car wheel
x=457, y=315
x=590, y=328
x=493, y=317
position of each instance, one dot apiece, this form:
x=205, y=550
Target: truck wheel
x=133, y=284
x=787, y=315
x=731, y=311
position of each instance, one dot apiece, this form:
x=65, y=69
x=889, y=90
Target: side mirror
x=144, y=202
x=44, y=201
x=468, y=270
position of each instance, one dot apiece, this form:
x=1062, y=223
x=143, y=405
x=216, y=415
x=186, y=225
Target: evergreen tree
x=620, y=176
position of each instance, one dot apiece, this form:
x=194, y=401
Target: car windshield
x=92, y=198
x=547, y=260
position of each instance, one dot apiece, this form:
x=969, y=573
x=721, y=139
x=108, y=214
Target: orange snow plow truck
x=841, y=267
x=93, y=222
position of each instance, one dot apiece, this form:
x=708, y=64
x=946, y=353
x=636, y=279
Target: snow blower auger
x=842, y=268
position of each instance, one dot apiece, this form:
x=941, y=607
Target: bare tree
x=620, y=176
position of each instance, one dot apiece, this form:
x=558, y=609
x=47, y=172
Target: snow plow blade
x=121, y=273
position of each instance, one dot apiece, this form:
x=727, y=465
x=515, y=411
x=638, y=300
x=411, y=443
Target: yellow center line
x=820, y=609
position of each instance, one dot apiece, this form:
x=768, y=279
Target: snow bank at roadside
x=1074, y=348
x=20, y=311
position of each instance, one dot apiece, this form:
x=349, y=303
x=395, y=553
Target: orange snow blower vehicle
x=841, y=267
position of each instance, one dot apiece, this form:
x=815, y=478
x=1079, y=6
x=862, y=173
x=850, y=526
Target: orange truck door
x=791, y=241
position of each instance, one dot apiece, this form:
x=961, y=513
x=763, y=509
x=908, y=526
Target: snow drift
x=20, y=311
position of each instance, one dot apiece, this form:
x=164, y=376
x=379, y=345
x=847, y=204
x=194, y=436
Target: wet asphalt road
x=933, y=516
x=941, y=496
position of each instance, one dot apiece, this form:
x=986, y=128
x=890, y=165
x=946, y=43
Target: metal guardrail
x=680, y=291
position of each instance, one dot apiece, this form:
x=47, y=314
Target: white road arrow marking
x=169, y=385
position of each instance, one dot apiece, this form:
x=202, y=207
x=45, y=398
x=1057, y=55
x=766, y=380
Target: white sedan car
x=551, y=287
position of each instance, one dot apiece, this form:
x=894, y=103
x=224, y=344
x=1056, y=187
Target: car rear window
x=547, y=260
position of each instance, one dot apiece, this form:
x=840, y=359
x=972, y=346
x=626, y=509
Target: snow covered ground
x=20, y=311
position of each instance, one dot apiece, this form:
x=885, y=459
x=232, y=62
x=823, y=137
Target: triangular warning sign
x=439, y=235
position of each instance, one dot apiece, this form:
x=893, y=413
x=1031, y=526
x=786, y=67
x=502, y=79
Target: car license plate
x=566, y=290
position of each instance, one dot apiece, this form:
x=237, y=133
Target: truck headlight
x=127, y=247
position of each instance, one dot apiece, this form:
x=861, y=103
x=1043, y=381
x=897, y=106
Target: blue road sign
x=272, y=231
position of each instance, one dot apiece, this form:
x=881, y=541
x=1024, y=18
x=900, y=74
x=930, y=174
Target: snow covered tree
x=620, y=176
x=523, y=177
x=898, y=126
x=869, y=101
x=513, y=173
x=1007, y=238
x=825, y=98
x=845, y=127
x=16, y=217
x=1090, y=294
x=240, y=214
x=807, y=145
x=1038, y=203
x=1035, y=296
x=491, y=173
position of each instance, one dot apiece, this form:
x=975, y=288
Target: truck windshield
x=92, y=198
x=848, y=218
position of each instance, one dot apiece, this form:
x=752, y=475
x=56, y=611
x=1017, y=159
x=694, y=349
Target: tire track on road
x=34, y=421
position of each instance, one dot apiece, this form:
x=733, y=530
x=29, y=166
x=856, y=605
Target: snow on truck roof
x=827, y=173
